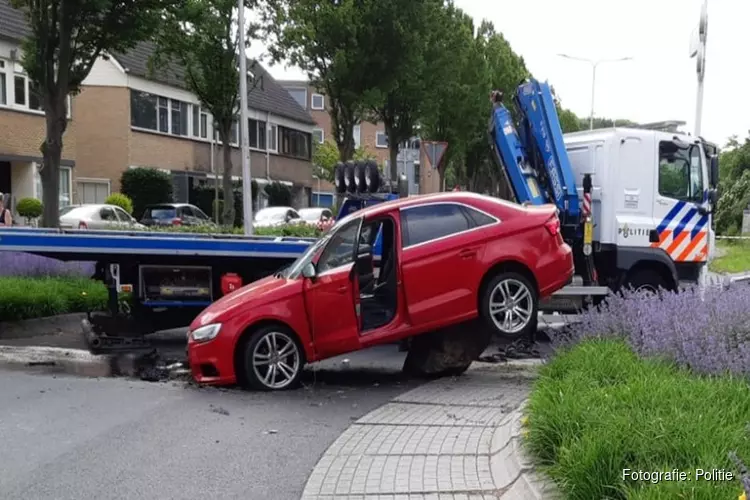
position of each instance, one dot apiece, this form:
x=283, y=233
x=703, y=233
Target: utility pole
x=247, y=180
x=594, y=64
x=698, y=50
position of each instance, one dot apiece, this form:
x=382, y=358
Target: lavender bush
x=709, y=334
x=26, y=265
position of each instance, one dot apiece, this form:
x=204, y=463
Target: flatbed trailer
x=156, y=281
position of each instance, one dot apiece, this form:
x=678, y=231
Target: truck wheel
x=338, y=178
x=646, y=281
x=372, y=177
x=351, y=186
x=273, y=359
x=360, y=185
x=510, y=305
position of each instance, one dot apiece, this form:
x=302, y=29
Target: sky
x=659, y=83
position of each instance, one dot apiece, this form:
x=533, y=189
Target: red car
x=446, y=258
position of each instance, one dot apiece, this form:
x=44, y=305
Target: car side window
x=107, y=214
x=340, y=250
x=478, y=218
x=430, y=222
x=187, y=212
x=200, y=213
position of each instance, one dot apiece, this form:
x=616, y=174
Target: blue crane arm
x=534, y=158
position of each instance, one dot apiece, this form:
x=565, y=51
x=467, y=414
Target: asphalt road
x=98, y=439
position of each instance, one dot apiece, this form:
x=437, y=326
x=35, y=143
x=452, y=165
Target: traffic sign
x=434, y=150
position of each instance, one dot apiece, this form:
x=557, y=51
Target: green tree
x=67, y=37
x=201, y=37
x=405, y=40
x=734, y=185
x=324, y=39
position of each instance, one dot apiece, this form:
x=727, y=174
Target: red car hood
x=251, y=295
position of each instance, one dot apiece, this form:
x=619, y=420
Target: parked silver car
x=276, y=216
x=97, y=216
x=315, y=215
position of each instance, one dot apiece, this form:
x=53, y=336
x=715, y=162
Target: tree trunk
x=51, y=149
x=393, y=158
x=227, y=215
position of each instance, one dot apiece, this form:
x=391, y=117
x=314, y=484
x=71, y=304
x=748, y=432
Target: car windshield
x=310, y=215
x=271, y=214
x=160, y=213
x=296, y=267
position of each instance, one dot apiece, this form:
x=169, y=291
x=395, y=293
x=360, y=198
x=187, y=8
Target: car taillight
x=82, y=225
x=177, y=222
x=553, y=225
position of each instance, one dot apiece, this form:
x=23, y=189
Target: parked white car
x=315, y=215
x=276, y=216
x=97, y=216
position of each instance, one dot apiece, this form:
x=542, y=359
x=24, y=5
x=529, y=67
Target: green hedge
x=300, y=231
x=24, y=298
x=598, y=409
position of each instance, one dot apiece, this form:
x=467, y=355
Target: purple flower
x=709, y=334
x=20, y=264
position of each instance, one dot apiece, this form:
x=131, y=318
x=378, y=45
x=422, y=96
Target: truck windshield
x=680, y=172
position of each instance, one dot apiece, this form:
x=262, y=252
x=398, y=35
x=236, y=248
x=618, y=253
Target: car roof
x=445, y=197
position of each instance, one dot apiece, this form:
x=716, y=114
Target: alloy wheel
x=511, y=306
x=276, y=360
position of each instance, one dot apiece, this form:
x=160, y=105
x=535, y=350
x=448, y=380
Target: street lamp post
x=247, y=188
x=594, y=64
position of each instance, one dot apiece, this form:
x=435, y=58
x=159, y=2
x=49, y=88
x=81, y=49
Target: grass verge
x=598, y=409
x=735, y=258
x=25, y=298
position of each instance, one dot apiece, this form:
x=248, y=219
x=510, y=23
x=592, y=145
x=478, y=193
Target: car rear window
x=160, y=213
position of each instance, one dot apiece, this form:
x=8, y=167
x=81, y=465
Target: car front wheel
x=273, y=359
x=510, y=305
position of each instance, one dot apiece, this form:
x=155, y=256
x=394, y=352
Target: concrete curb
x=450, y=438
x=37, y=327
x=81, y=362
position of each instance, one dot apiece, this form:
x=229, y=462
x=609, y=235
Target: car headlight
x=206, y=333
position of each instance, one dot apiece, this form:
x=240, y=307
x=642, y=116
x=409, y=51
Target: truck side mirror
x=714, y=170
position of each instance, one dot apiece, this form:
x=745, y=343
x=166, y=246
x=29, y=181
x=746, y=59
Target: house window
x=294, y=143
x=299, y=95
x=357, y=134
x=196, y=120
x=252, y=132
x=318, y=102
x=163, y=114
x=204, y=125
x=179, y=117
x=318, y=135
x=143, y=110
x=381, y=140
x=3, y=84
x=273, y=135
x=92, y=190
x=66, y=174
x=262, y=136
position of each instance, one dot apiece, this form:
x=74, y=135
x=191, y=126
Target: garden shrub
x=30, y=209
x=20, y=264
x=146, y=186
x=202, y=196
x=24, y=298
x=279, y=195
x=598, y=408
x=121, y=200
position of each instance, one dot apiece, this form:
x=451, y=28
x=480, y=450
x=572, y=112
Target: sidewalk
x=455, y=438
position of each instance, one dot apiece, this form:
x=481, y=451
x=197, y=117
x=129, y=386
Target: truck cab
x=650, y=200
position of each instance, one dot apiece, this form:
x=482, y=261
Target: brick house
x=125, y=118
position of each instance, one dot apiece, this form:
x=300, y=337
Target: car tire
x=647, y=281
x=339, y=177
x=266, y=371
x=522, y=319
x=372, y=177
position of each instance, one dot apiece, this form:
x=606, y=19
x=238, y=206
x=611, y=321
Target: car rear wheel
x=510, y=305
x=273, y=359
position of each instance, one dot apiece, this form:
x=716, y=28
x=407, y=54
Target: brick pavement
x=450, y=439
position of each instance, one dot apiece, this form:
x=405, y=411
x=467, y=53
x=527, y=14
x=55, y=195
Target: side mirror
x=309, y=271
x=714, y=171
